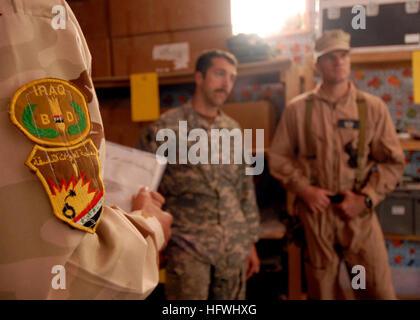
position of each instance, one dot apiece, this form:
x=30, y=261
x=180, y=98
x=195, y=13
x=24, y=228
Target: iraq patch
x=54, y=113
x=51, y=112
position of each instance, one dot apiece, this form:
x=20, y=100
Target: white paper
x=333, y=13
x=126, y=170
x=412, y=38
x=179, y=53
x=412, y=7
x=398, y=210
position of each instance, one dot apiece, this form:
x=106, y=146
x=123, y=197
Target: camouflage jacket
x=216, y=218
x=117, y=261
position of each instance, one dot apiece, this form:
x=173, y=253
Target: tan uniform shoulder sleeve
x=119, y=260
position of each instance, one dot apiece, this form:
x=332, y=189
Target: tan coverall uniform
x=358, y=241
x=119, y=260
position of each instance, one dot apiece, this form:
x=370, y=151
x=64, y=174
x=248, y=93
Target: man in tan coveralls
x=315, y=156
x=48, y=257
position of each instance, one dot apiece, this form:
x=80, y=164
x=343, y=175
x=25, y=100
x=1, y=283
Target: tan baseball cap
x=332, y=40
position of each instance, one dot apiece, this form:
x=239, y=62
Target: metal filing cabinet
x=397, y=213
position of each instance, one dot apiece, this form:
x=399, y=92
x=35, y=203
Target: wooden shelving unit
x=408, y=237
x=410, y=144
x=244, y=69
x=164, y=79
x=380, y=57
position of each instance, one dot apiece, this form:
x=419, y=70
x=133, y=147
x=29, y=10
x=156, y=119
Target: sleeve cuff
x=149, y=221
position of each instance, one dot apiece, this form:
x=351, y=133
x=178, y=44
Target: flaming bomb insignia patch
x=70, y=176
x=53, y=112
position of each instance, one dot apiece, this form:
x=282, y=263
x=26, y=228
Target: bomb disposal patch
x=53, y=112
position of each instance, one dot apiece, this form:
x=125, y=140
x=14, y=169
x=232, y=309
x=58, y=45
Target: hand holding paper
x=147, y=200
x=126, y=170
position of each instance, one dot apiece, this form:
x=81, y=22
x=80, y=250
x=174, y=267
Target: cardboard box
x=135, y=54
x=254, y=115
x=100, y=50
x=190, y=14
x=136, y=17
x=93, y=20
x=92, y=17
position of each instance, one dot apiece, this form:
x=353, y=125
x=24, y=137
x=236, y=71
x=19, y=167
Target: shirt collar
x=195, y=120
x=351, y=94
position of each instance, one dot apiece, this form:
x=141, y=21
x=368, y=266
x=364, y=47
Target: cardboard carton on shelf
x=137, y=17
x=100, y=50
x=165, y=52
x=92, y=17
x=254, y=115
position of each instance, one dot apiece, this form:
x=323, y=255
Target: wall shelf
x=408, y=237
x=244, y=69
x=381, y=59
x=410, y=144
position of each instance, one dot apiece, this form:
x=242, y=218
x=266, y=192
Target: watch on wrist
x=368, y=201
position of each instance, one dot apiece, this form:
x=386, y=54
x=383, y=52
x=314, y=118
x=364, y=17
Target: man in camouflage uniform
x=337, y=140
x=112, y=254
x=216, y=221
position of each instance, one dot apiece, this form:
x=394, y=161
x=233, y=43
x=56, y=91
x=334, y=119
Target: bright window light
x=266, y=17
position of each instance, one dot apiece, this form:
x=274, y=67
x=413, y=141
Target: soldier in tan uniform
x=216, y=222
x=58, y=240
x=336, y=141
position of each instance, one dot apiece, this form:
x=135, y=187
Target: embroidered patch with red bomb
x=53, y=112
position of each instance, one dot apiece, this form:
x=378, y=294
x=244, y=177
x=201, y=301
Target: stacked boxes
x=92, y=17
x=135, y=17
x=254, y=115
x=136, y=54
x=135, y=36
